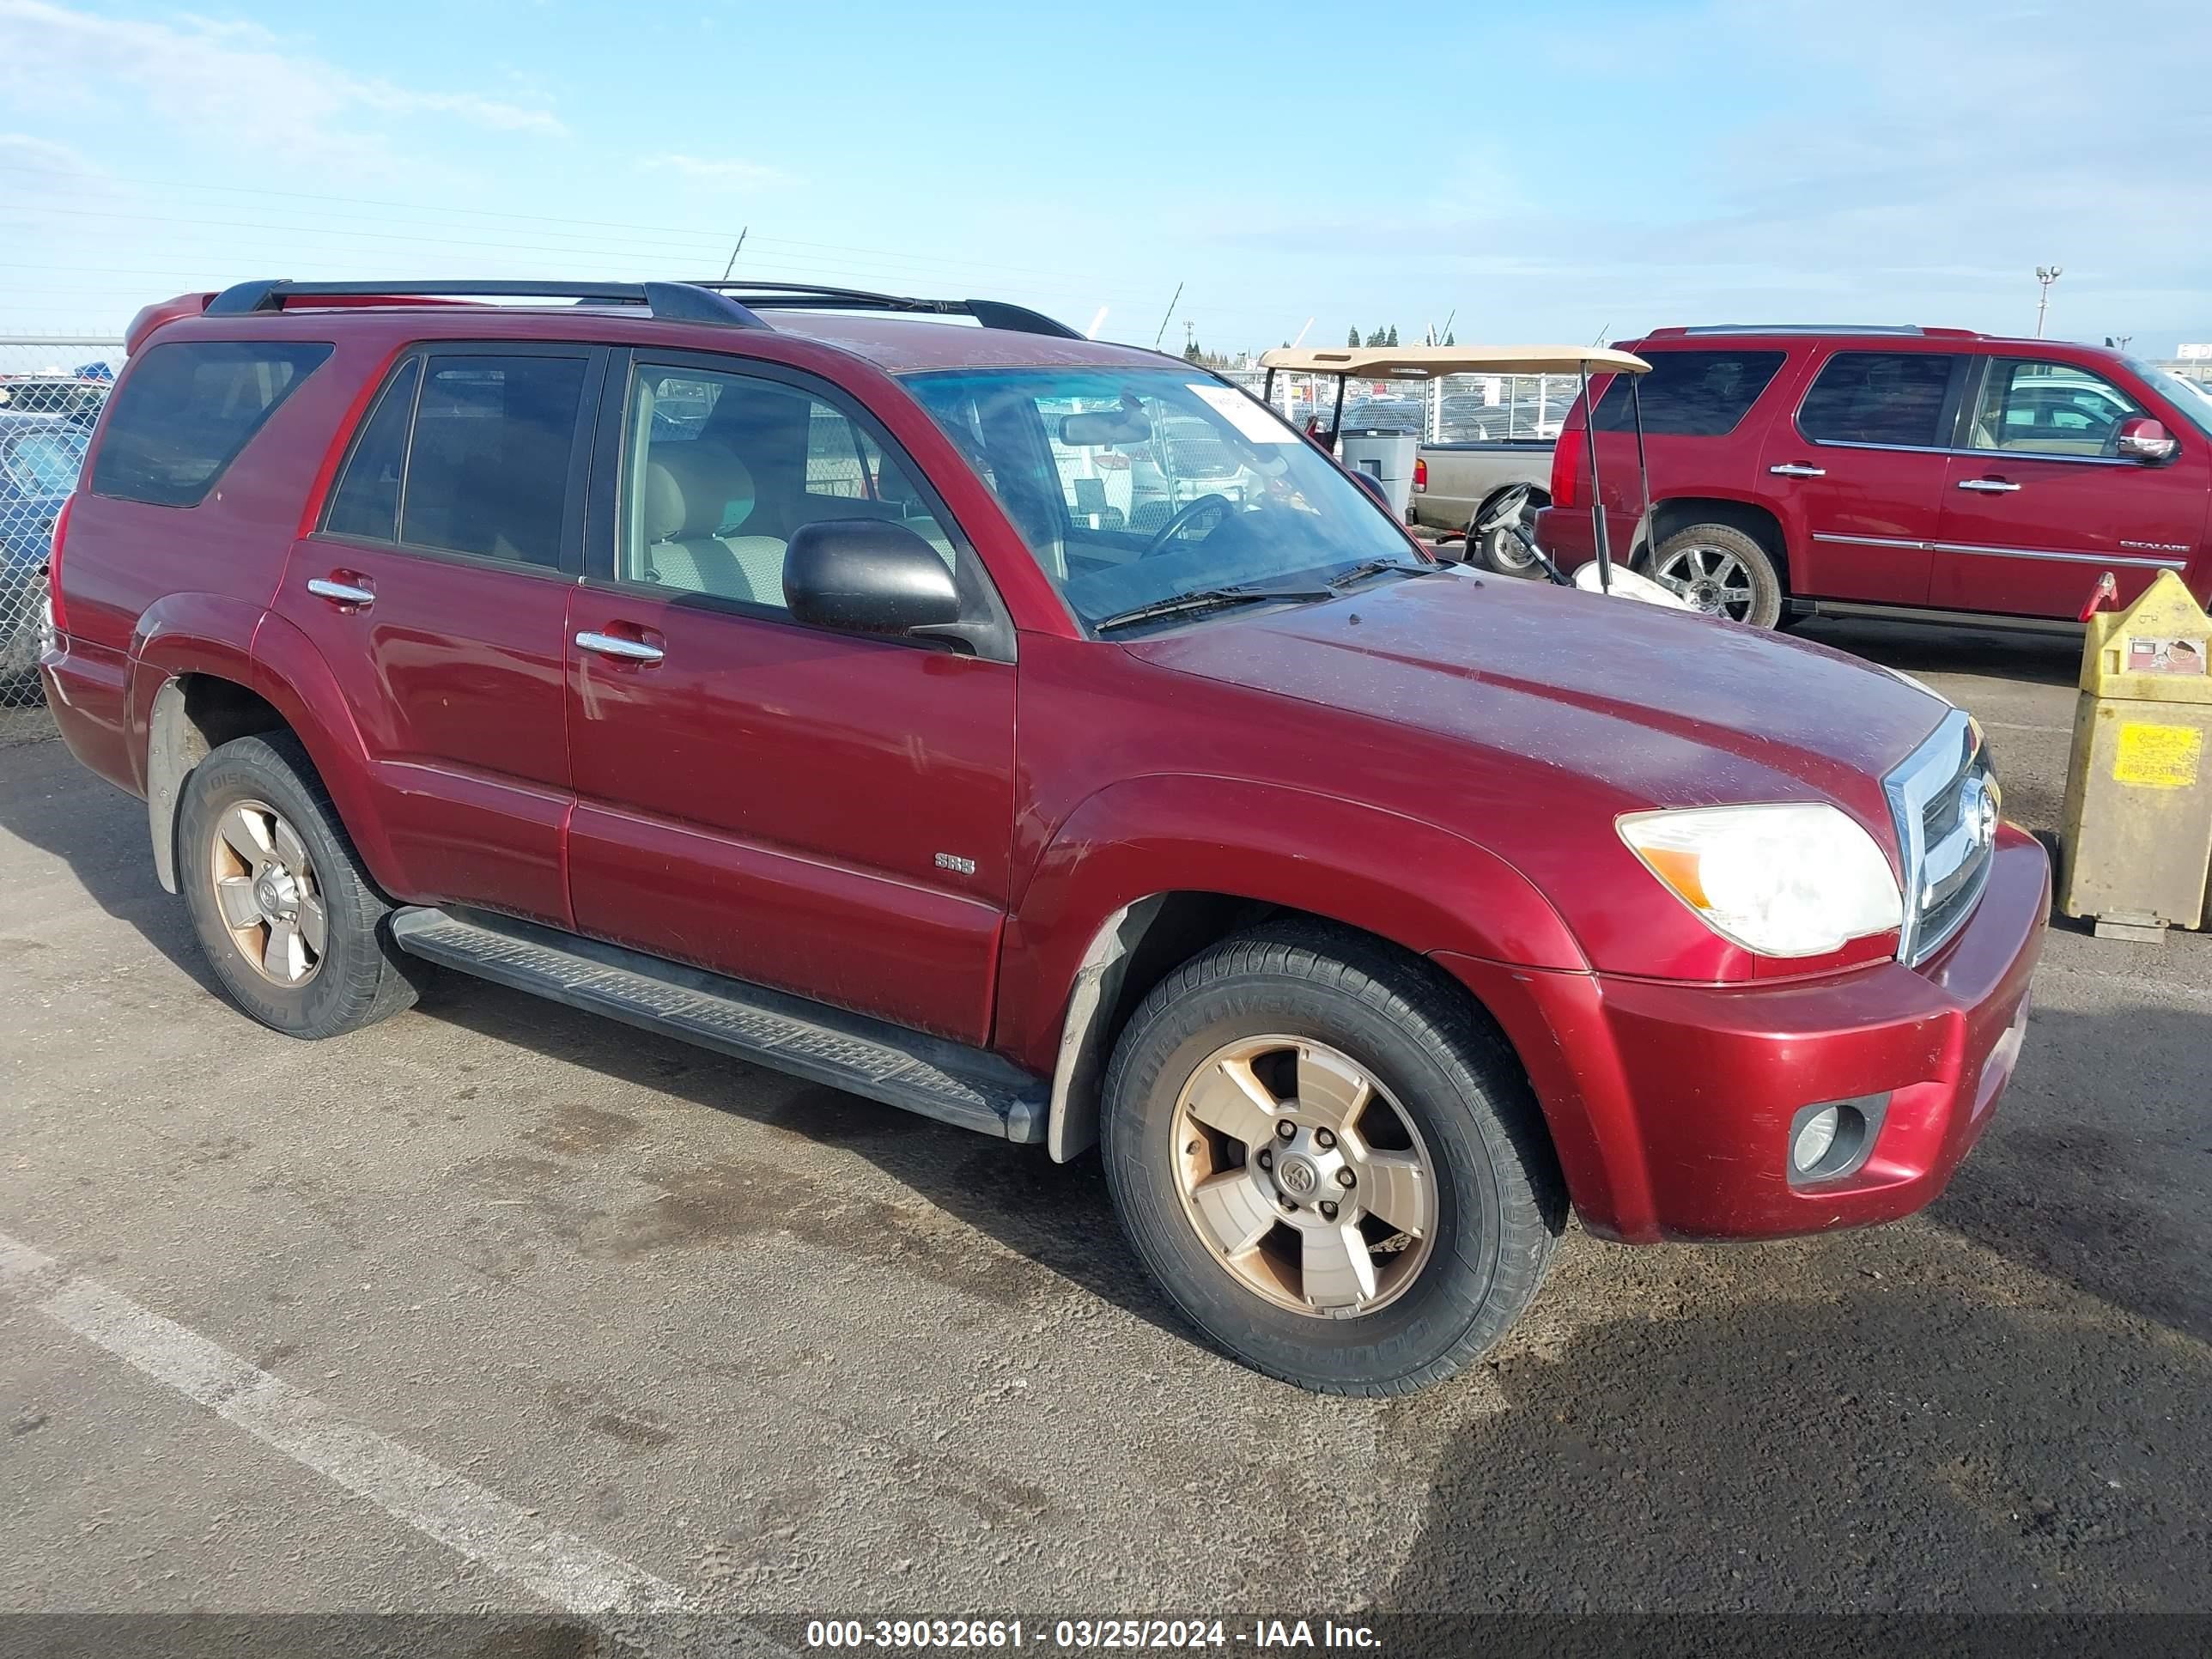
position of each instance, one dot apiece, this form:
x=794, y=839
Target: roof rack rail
x=679, y=303
x=1795, y=328
x=763, y=294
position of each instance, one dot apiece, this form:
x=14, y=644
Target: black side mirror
x=865, y=576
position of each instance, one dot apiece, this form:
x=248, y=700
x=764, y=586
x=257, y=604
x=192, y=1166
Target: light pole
x=2045, y=275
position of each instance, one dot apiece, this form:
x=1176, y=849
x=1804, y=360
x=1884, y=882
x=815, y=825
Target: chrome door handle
x=1798, y=470
x=1988, y=486
x=339, y=592
x=613, y=645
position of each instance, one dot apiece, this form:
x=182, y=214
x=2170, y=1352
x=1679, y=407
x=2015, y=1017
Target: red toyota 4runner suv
x=784, y=673
x=1897, y=471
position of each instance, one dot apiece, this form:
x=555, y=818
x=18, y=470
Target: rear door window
x=186, y=410
x=1894, y=400
x=492, y=456
x=366, y=502
x=1690, y=394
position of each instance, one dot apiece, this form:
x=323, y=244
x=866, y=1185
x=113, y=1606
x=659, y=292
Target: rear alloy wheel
x=1721, y=571
x=1330, y=1161
x=284, y=907
x=266, y=890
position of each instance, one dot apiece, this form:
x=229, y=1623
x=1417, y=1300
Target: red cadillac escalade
x=787, y=671
x=1924, y=473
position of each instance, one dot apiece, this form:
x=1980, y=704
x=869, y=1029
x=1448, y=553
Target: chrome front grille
x=1945, y=802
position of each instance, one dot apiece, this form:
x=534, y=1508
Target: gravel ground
x=777, y=1349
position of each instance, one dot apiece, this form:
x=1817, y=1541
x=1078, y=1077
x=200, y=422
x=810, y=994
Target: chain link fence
x=1458, y=409
x=51, y=392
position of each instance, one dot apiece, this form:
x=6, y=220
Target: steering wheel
x=1190, y=510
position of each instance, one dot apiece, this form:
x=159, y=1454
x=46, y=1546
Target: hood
x=1628, y=706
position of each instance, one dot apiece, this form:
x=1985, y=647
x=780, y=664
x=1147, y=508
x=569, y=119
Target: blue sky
x=1554, y=170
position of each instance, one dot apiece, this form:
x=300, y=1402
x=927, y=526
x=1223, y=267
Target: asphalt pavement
x=496, y=1307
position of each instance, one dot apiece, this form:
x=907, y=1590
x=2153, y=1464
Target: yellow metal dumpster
x=2138, y=836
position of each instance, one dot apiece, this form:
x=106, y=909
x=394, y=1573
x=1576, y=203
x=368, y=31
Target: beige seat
x=696, y=492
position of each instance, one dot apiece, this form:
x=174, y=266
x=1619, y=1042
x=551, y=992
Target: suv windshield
x=2186, y=396
x=1136, y=486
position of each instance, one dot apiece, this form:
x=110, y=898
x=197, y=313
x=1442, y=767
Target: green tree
x=1451, y=339
x=1393, y=340
x=1191, y=353
x=1375, y=338
x=1352, y=338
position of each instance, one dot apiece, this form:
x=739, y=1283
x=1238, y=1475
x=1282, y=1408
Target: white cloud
x=731, y=174
x=234, y=84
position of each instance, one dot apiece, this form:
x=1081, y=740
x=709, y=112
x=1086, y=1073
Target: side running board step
x=949, y=1081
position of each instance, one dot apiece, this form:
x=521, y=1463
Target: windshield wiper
x=1206, y=599
x=1367, y=568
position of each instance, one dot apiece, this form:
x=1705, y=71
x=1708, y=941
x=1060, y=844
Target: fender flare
x=179, y=633
x=1105, y=877
x=175, y=639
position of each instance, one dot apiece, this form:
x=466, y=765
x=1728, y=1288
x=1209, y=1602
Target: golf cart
x=1348, y=363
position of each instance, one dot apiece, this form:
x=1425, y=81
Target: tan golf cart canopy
x=1428, y=362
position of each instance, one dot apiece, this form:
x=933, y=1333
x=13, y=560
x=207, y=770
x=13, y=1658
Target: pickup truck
x=1455, y=484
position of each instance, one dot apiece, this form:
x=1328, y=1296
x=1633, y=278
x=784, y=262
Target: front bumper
x=1671, y=1104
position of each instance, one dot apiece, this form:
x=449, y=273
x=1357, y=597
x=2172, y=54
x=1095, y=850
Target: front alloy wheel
x=1329, y=1159
x=1323, y=1201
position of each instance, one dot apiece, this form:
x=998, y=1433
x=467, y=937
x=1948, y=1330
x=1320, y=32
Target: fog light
x=1832, y=1138
x=1814, y=1136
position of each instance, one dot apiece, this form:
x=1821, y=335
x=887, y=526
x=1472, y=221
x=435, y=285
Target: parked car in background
x=39, y=458
x=1455, y=485
x=1908, y=472
x=1326, y=888
x=76, y=397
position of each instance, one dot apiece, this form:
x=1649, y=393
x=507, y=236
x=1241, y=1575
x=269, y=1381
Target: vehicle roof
x=906, y=344
x=882, y=329
x=1900, y=336
x=1427, y=362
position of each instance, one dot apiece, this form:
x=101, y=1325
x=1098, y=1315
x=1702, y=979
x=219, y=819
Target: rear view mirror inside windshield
x=1104, y=425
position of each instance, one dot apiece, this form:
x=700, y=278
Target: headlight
x=1781, y=880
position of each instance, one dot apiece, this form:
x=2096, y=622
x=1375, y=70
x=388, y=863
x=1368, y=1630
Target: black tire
x=1677, y=554
x=361, y=978
x=1500, y=1202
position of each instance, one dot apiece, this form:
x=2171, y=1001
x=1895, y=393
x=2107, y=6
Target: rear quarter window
x=185, y=411
x=1690, y=394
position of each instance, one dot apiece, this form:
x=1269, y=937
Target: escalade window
x=1893, y=398
x=1691, y=394
x=1135, y=486
x=2049, y=409
x=185, y=411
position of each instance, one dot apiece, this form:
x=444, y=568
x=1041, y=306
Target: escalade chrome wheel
x=1323, y=1201
x=1720, y=570
x=284, y=908
x=1329, y=1159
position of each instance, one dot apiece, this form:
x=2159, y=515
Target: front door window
x=2049, y=409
